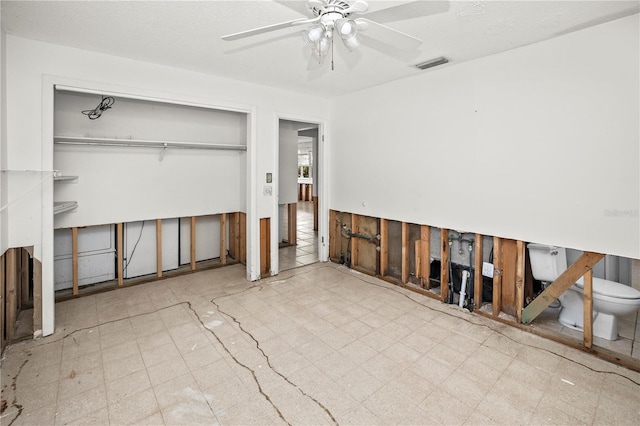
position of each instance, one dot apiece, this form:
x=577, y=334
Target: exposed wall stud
x=384, y=247
x=223, y=239
x=159, y=248
x=24, y=278
x=243, y=238
x=405, y=253
x=477, y=264
x=334, y=233
x=193, y=243
x=588, y=309
x=425, y=256
x=355, y=242
x=519, y=280
x=444, y=265
x=3, y=300
x=37, y=296
x=265, y=247
x=120, y=254
x=74, y=259
x=315, y=213
x=497, y=277
x=10, y=293
x=292, y=223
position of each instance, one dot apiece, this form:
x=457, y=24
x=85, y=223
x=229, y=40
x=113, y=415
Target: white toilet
x=610, y=299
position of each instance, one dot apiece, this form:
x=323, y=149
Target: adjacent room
x=320, y=212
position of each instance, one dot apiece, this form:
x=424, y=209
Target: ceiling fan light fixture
x=346, y=28
x=323, y=45
x=313, y=35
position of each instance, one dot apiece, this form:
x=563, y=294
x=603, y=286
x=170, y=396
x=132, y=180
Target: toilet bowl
x=610, y=299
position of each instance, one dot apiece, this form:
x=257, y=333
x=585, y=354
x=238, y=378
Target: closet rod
x=73, y=140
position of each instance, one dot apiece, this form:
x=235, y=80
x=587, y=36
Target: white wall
x=33, y=66
x=4, y=198
x=538, y=143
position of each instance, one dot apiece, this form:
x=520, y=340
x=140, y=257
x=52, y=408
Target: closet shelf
x=64, y=206
x=139, y=143
x=65, y=178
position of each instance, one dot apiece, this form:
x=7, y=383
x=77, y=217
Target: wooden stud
x=497, y=277
x=584, y=263
x=74, y=259
x=519, y=280
x=24, y=278
x=355, y=242
x=159, y=248
x=37, y=295
x=508, y=276
x=10, y=293
x=234, y=236
x=417, y=251
x=292, y=223
x=265, y=247
x=18, y=279
x=120, y=254
x=2, y=300
x=384, y=247
x=444, y=265
x=192, y=255
x=223, y=239
x=477, y=264
x=333, y=234
x=425, y=254
x=588, y=309
x=405, y=253
x=243, y=238
x=315, y=213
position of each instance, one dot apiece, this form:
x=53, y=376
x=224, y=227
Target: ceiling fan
x=335, y=19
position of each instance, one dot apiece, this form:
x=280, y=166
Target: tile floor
x=305, y=252
x=319, y=344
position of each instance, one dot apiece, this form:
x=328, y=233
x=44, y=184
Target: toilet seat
x=611, y=289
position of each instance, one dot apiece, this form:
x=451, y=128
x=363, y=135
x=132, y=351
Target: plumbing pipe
x=463, y=288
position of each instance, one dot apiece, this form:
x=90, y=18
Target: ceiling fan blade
x=316, y=4
x=268, y=28
x=414, y=9
x=359, y=6
x=388, y=35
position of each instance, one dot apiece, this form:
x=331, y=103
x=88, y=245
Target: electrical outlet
x=267, y=190
x=487, y=269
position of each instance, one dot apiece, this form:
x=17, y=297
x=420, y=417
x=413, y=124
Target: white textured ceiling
x=186, y=34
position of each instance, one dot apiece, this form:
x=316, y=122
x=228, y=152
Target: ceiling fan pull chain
x=331, y=53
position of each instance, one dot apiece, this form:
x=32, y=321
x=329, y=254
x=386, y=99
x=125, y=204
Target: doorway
x=298, y=194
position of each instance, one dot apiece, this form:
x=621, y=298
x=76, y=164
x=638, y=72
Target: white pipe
x=463, y=288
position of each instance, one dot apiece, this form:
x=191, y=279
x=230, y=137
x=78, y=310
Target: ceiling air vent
x=432, y=63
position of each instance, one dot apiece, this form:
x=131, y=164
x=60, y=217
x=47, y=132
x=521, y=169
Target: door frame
x=322, y=164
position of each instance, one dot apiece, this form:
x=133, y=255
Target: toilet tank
x=547, y=262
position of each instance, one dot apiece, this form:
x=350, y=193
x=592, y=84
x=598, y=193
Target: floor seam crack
x=253, y=373
x=318, y=403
